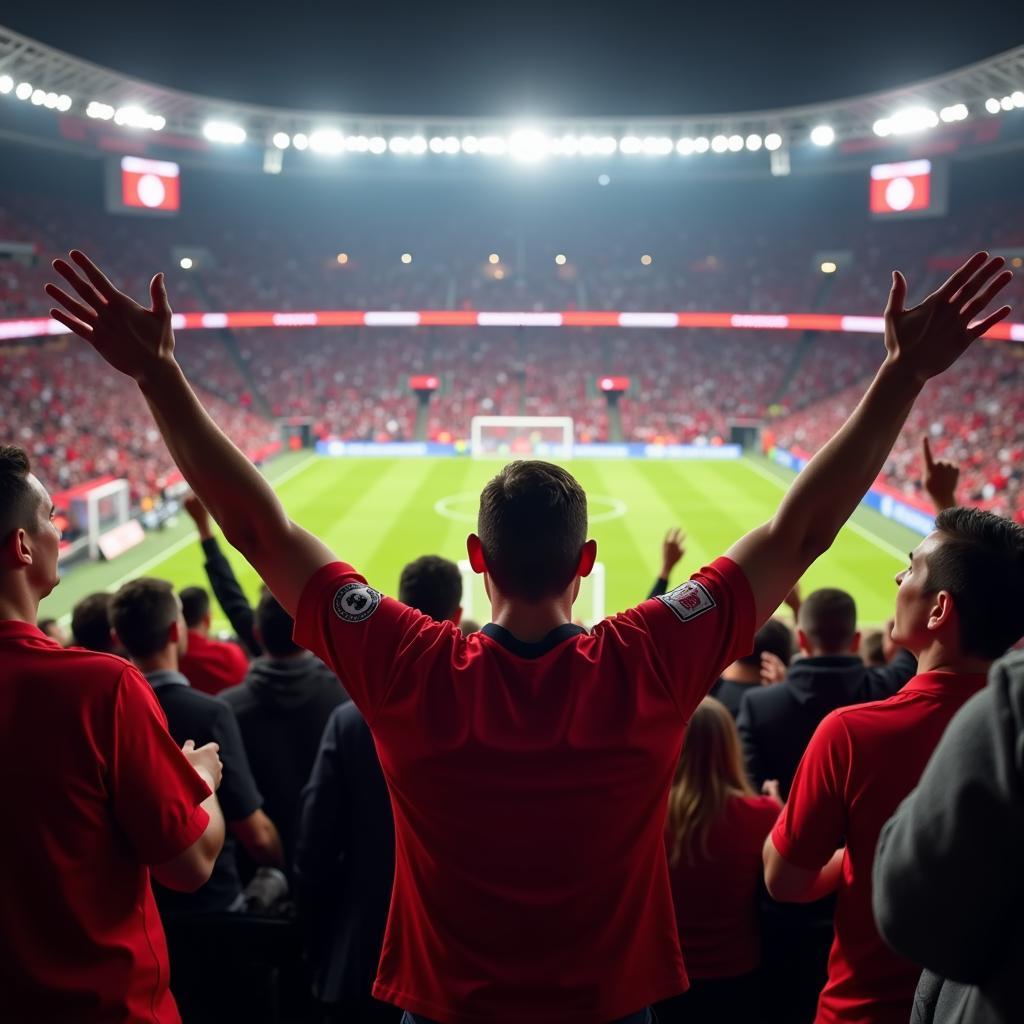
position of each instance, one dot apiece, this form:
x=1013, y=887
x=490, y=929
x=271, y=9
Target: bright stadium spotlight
x=494, y=258
x=224, y=131
x=6, y=84
x=570, y=145
x=342, y=258
x=823, y=135
x=956, y=112
x=282, y=140
x=773, y=141
x=701, y=144
x=588, y=145
x=1006, y=103
x=560, y=259
x=102, y=111
x=63, y=102
x=417, y=145
x=470, y=144
x=719, y=144
x=630, y=145
x=451, y=144
x=1018, y=98
x=377, y=145
x=606, y=145
x=185, y=263
x=326, y=141
x=407, y=257
x=828, y=267
x=912, y=119
x=646, y=260
x=657, y=145
x=24, y=90
x=357, y=143
x=398, y=144
x=992, y=105
x=436, y=144
x=136, y=117
x=300, y=140
x=528, y=145
x=684, y=146
x=735, y=143
x=39, y=97
x=754, y=142
x=51, y=100
x=493, y=145
x=882, y=127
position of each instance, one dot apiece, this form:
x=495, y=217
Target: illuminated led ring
x=615, y=507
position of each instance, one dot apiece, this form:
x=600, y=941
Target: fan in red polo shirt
x=959, y=606
x=209, y=665
x=529, y=764
x=106, y=795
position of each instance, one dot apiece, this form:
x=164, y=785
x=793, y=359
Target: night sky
x=527, y=59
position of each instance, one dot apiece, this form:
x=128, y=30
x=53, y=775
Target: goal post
x=521, y=437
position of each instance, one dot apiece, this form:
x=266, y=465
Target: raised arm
x=920, y=343
x=140, y=343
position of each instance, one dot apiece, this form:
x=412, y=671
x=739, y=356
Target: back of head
x=142, y=613
x=275, y=627
x=774, y=637
x=710, y=771
x=828, y=618
x=432, y=585
x=872, y=649
x=980, y=562
x=195, y=606
x=532, y=527
x=19, y=501
x=90, y=623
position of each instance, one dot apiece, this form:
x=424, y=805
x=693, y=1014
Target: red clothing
x=95, y=791
x=212, y=665
x=529, y=784
x=859, y=766
x=716, y=899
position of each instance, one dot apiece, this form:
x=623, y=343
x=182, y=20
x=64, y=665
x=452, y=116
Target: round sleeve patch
x=355, y=602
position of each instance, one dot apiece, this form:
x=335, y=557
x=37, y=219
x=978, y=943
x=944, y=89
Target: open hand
x=673, y=547
x=930, y=337
x=940, y=478
x=206, y=761
x=128, y=336
x=773, y=669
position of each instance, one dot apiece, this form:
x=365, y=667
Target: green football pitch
x=379, y=513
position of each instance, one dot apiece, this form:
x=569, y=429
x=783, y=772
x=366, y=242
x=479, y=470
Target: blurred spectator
x=208, y=664
x=872, y=649
x=90, y=624
x=745, y=674
x=55, y=631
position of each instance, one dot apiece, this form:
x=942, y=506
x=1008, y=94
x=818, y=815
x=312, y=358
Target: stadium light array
x=719, y=144
x=823, y=135
x=529, y=145
x=773, y=141
x=630, y=145
x=300, y=140
x=136, y=117
x=225, y=132
x=326, y=141
x=992, y=105
x=701, y=144
x=100, y=111
x=6, y=84
x=377, y=144
x=906, y=122
x=954, y=112
x=24, y=90
x=282, y=140
x=754, y=142
x=735, y=143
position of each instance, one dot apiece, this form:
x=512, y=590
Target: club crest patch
x=356, y=602
x=688, y=601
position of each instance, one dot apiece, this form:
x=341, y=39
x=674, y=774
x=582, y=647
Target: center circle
x=463, y=507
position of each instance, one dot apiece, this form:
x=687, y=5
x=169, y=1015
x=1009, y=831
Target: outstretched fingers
x=91, y=296
x=982, y=326
x=80, y=310
x=72, y=323
x=897, y=294
x=961, y=276
x=99, y=280
x=977, y=304
x=977, y=281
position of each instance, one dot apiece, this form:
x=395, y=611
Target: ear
x=17, y=551
x=804, y=642
x=475, y=549
x=457, y=617
x=587, y=558
x=174, y=632
x=942, y=612
x=855, y=643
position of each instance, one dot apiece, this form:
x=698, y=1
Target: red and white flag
x=150, y=184
x=900, y=188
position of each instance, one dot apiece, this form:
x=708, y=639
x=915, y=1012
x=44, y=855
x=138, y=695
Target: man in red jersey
x=960, y=605
x=112, y=801
x=529, y=764
x=210, y=665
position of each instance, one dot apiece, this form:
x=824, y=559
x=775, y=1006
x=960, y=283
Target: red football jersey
x=95, y=790
x=212, y=665
x=859, y=766
x=529, y=784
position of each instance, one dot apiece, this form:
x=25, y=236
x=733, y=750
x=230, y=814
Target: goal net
x=522, y=437
x=589, y=606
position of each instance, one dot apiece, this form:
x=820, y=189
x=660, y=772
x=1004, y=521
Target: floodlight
x=560, y=259
x=882, y=127
x=399, y=144
x=701, y=144
x=300, y=140
x=646, y=260
x=956, y=112
x=357, y=143
x=1018, y=98
x=451, y=144
x=992, y=105
x=494, y=258
x=407, y=257
x=377, y=145
x=493, y=145
x=606, y=145
x=823, y=135
x=23, y=91
x=39, y=97
x=684, y=146
x=50, y=101
x=630, y=145
x=326, y=141
x=828, y=267
x=282, y=140
x=342, y=258
x=436, y=144
x=719, y=143
x=63, y=102
x=569, y=145
x=754, y=143
x=224, y=131
x=1006, y=103
x=735, y=143
x=657, y=145
x=101, y=111
x=185, y=263
x=6, y=84
x=136, y=117
x=773, y=141
x=470, y=144
x=912, y=119
x=417, y=145
x=528, y=145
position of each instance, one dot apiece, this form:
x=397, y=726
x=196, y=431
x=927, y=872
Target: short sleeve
x=155, y=790
x=237, y=794
x=365, y=637
x=699, y=628
x=812, y=825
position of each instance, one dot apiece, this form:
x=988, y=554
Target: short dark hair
x=872, y=649
x=829, y=617
x=432, y=585
x=18, y=501
x=774, y=637
x=90, y=623
x=532, y=525
x=275, y=626
x=142, y=612
x=195, y=604
x=980, y=562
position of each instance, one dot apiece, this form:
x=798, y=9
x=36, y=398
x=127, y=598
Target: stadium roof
x=36, y=74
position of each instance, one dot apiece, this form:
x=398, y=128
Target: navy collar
x=500, y=635
x=166, y=677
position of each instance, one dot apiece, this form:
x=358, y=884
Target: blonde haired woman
x=716, y=827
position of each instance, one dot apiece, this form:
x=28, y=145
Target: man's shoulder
x=89, y=668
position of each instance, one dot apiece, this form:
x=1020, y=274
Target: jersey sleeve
x=812, y=825
x=366, y=638
x=698, y=628
x=156, y=793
